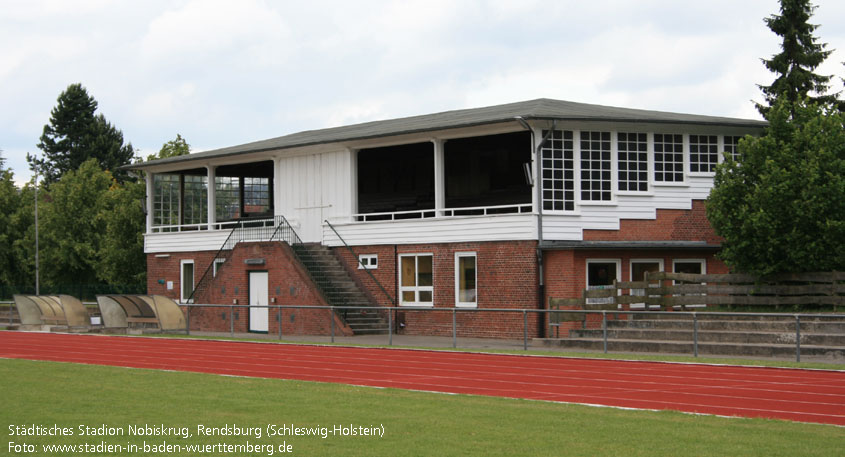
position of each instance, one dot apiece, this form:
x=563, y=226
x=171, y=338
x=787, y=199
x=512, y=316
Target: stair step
x=709, y=348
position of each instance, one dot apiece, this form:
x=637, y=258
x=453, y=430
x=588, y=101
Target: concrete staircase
x=718, y=335
x=339, y=289
x=8, y=322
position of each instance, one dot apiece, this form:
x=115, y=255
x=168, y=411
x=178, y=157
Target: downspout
x=541, y=284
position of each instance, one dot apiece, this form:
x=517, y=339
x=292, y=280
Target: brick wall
x=507, y=277
x=288, y=284
x=669, y=225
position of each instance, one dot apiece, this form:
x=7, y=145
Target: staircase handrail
x=283, y=222
x=211, y=265
x=361, y=264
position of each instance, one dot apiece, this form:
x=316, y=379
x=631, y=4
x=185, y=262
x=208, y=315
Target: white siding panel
x=205, y=240
x=445, y=230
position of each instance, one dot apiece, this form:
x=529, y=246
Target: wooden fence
x=665, y=291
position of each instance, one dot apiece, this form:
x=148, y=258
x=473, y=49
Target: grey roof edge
x=538, y=110
x=603, y=245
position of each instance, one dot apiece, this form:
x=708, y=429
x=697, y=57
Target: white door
x=259, y=318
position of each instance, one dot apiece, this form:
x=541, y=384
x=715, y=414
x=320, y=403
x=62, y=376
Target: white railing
x=497, y=210
x=227, y=225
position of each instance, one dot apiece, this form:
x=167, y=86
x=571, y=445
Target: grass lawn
x=415, y=423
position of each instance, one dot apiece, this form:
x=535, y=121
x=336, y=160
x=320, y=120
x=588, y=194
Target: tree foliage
x=781, y=208
x=172, y=148
x=800, y=55
x=10, y=202
x=75, y=134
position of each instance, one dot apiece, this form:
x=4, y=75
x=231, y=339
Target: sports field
x=112, y=399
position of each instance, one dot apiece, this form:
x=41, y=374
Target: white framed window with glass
x=416, y=279
x=466, y=279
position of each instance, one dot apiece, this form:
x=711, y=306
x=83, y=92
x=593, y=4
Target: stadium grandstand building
x=495, y=207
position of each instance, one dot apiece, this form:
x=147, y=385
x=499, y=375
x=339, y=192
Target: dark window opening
x=487, y=171
x=243, y=190
x=396, y=178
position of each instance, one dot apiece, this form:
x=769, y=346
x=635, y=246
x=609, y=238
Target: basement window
x=368, y=261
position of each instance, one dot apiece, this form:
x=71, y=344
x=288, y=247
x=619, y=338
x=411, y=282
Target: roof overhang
x=620, y=245
x=517, y=113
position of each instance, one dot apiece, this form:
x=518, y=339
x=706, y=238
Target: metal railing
x=246, y=229
x=363, y=267
x=549, y=315
x=444, y=212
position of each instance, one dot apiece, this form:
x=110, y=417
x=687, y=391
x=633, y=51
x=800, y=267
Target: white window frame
x=719, y=150
x=216, y=266
x=703, y=263
x=613, y=171
x=684, y=158
x=649, y=150
x=587, y=263
x=368, y=261
x=458, y=302
x=182, y=264
x=416, y=288
x=631, y=263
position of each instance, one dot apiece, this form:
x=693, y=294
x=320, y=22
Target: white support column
x=353, y=182
x=277, y=187
x=439, y=176
x=150, y=197
x=212, y=196
x=536, y=161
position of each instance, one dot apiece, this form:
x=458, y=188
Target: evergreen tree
x=10, y=199
x=75, y=134
x=800, y=55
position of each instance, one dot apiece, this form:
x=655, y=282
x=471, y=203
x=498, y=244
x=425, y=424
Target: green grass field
x=415, y=423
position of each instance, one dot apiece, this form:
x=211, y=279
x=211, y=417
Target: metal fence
x=553, y=318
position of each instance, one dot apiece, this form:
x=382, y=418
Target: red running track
x=798, y=395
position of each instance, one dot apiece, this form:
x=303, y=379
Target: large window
x=466, y=282
x=195, y=210
x=595, y=166
x=487, y=171
x=632, y=155
x=256, y=195
x=227, y=195
x=396, y=178
x=703, y=153
x=558, y=171
x=668, y=158
x=416, y=279
x=165, y=199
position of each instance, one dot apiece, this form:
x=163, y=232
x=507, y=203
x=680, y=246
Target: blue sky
x=222, y=73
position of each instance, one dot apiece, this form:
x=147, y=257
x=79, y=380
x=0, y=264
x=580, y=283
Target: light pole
x=37, y=285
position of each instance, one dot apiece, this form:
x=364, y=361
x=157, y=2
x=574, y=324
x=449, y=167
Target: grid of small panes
x=731, y=142
x=632, y=156
x=703, y=153
x=196, y=200
x=227, y=193
x=668, y=157
x=596, y=183
x=165, y=199
x=256, y=195
x=558, y=171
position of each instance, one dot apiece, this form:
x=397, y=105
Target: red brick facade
x=669, y=225
x=288, y=282
x=507, y=278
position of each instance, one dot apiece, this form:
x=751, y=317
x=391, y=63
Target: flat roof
x=539, y=109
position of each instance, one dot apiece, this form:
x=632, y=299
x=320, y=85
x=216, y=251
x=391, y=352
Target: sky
x=222, y=73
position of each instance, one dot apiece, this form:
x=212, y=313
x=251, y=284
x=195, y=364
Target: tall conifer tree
x=800, y=55
x=75, y=134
